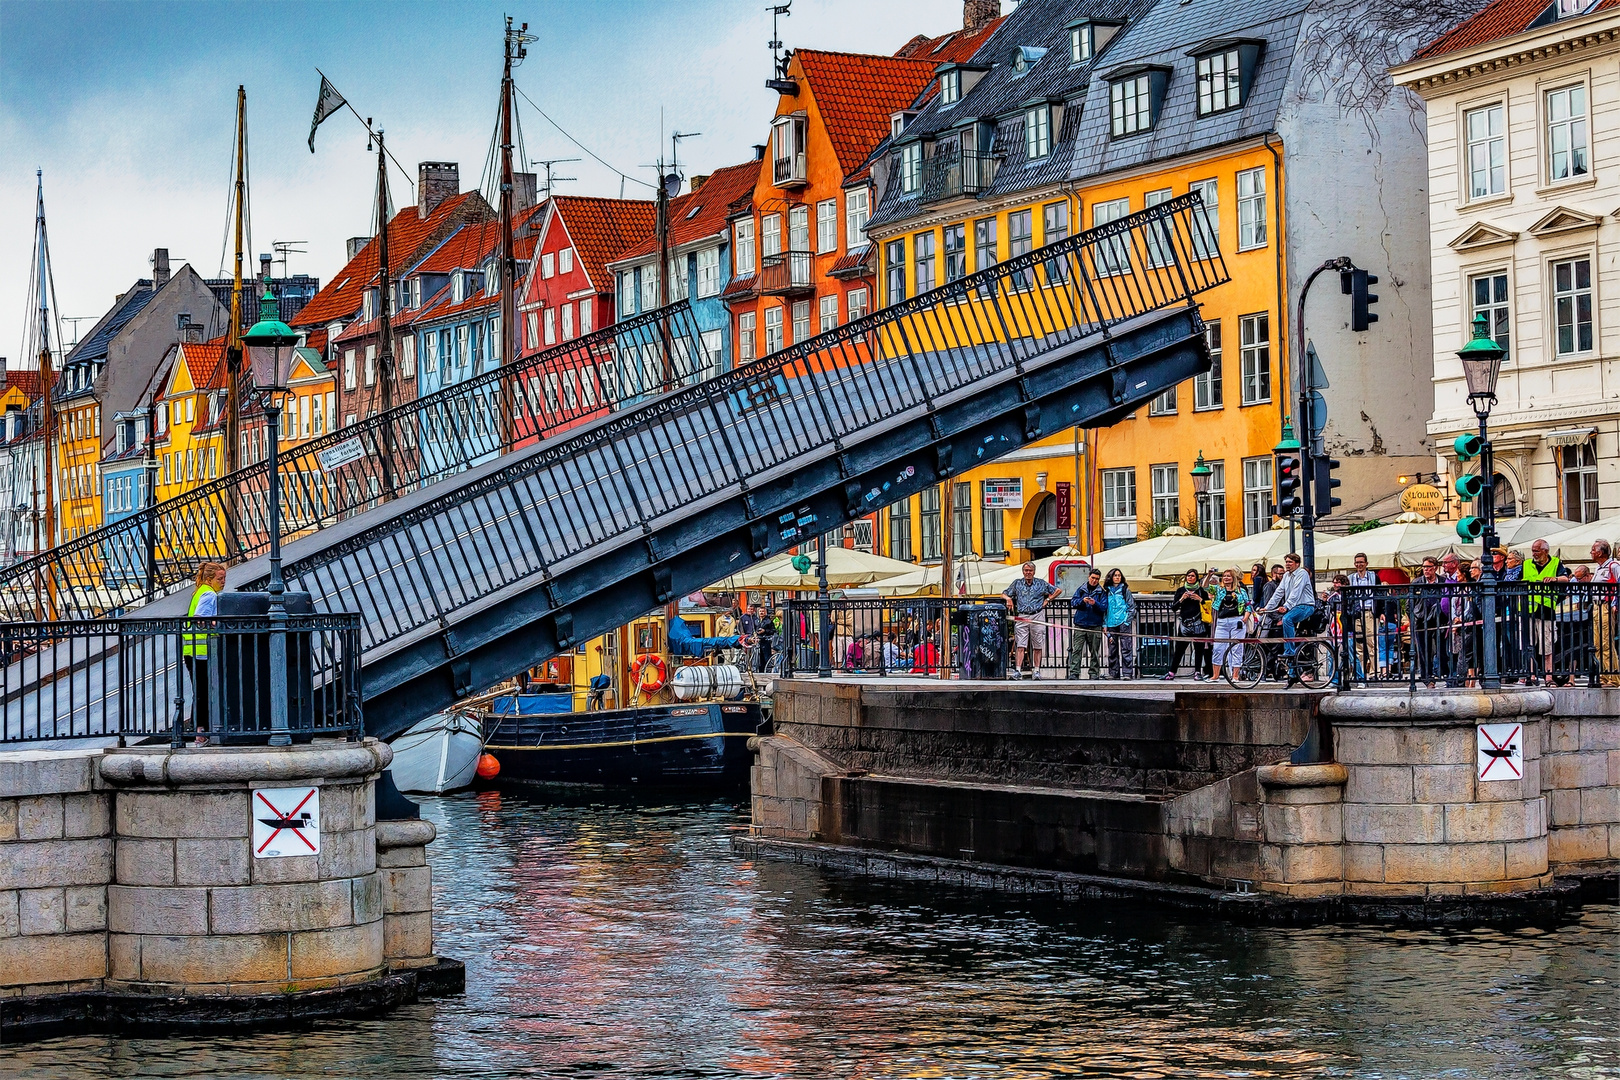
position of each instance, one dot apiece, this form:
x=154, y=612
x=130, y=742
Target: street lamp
x=1201, y=472
x=270, y=346
x=1482, y=364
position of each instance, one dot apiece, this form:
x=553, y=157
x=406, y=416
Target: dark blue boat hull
x=676, y=745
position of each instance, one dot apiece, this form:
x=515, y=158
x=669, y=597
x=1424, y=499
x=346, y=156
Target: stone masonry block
x=8, y=820
x=257, y=909
x=1600, y=734
x=124, y=957
x=1313, y=862
x=1364, y=862
x=39, y=818
x=366, y=894
x=52, y=960
x=347, y=950
x=10, y=923
x=1319, y=824
x=1564, y=807
x=1527, y=858
x=1355, y=744
x=291, y=869
x=147, y=910
x=1443, y=783
x=1614, y=768
x=86, y=908
x=1578, y=844
x=1444, y=862
x=1563, y=736
x=211, y=862
x=407, y=890
x=365, y=806
x=144, y=862
x=1393, y=824
x=86, y=815
x=348, y=854
x=1305, y=796
x=408, y=937
x=196, y=814
x=235, y=958
x=1586, y=769
x=1378, y=784
x=404, y=856
x=1600, y=806
x=56, y=862
x=1527, y=787
x=42, y=911
x=1473, y=823
x=1432, y=745
x=48, y=772
x=1614, y=841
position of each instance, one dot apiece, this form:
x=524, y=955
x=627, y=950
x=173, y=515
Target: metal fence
x=141, y=679
x=910, y=637
x=1432, y=633
x=157, y=550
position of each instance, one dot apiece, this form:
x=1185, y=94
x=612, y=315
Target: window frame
x=923, y=252
x=1259, y=225
x=1545, y=89
x=1553, y=261
x=1115, y=483
x=708, y=272
x=1211, y=512
x=827, y=226
x=1504, y=307
x=822, y=305
x=1169, y=498
x=1259, y=493
x=894, y=270
x=854, y=310
x=1231, y=95
x=1249, y=349
x=954, y=257
x=781, y=315
x=928, y=552
x=1465, y=148
x=742, y=240
x=1037, y=132
x=1211, y=382
x=910, y=171
x=900, y=529
x=857, y=204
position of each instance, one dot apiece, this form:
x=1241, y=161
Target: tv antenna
x=546, y=164
x=283, y=248
x=76, y=320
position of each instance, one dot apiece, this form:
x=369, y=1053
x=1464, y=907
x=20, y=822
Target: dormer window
x=788, y=151
x=1134, y=98
x=369, y=305
x=950, y=88
x=900, y=121
x=1225, y=72
x=1038, y=132
x=910, y=167
x=1080, y=43
x=458, y=286
x=1025, y=57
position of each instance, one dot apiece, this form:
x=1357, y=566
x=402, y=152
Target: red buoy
x=489, y=767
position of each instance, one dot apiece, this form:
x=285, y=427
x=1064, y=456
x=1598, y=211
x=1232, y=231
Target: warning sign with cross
x=1501, y=751
x=286, y=822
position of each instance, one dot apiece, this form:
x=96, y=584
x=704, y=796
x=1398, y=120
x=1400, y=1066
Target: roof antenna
x=547, y=163
x=780, y=58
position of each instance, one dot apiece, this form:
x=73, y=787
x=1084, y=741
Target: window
x=1159, y=244
x=1054, y=227
x=950, y=88
x=587, y=315
x=923, y=249
x=910, y=167
x=855, y=214
x=1566, y=132
x=407, y=357
x=1251, y=188
x=827, y=225
x=548, y=265
x=856, y=304
x=896, y=264
x=1489, y=293
x=1212, y=508
x=1164, y=404
x=1254, y=347
x=565, y=261
x=984, y=247
x=1166, y=498
x=1079, y=44
x=742, y=253
x=1020, y=239
x=303, y=417
x=829, y=313
x=1038, y=132
x=475, y=339
x=348, y=420
x=678, y=281
x=787, y=149
x=348, y=369
x=1207, y=393
x=1487, y=150
x=1572, y=306
x=371, y=365
x=1130, y=105
x=568, y=322
x=801, y=320
x=799, y=240
x=961, y=519
x=708, y=274
x=900, y=530
x=551, y=326
x=992, y=531
x=649, y=287
x=627, y=292
x=929, y=500
x=773, y=330
x=770, y=234
x=1578, y=464
x=1256, y=495
x=745, y=336
x=1113, y=254
x=955, y=252
x=531, y=337
x=1219, y=82
x=1119, y=506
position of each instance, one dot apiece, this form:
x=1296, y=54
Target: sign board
x=286, y=822
x=335, y=457
x=1424, y=499
x=1004, y=494
x=1065, y=505
x=1500, y=751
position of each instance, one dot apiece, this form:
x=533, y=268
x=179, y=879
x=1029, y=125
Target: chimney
x=697, y=182
x=264, y=267
x=188, y=330
x=977, y=14
x=525, y=191
x=352, y=246
x=160, y=267
x=437, y=181
x=759, y=151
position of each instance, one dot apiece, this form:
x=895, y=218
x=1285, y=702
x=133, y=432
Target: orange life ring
x=654, y=663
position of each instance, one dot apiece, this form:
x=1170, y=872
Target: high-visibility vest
x=1540, y=600
x=196, y=644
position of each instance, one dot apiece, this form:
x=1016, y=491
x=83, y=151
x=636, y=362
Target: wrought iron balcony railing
x=952, y=173
x=787, y=273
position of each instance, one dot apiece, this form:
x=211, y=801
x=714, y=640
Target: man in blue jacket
x=1090, y=606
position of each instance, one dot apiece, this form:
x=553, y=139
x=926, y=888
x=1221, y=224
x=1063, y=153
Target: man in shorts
x=1028, y=595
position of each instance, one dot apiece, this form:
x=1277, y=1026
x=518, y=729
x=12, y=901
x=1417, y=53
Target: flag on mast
x=328, y=103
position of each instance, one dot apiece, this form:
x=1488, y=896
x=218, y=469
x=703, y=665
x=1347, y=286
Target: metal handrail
x=433, y=437
x=548, y=507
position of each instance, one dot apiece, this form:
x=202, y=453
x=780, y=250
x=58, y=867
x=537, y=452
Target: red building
x=569, y=292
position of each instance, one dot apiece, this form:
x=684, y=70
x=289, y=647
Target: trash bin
x=984, y=641
x=239, y=674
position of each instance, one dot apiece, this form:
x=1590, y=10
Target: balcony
x=788, y=171
x=953, y=173
x=787, y=273
x=788, y=144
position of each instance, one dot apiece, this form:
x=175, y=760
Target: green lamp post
x=1482, y=364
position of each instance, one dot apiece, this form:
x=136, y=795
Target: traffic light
x=1288, y=481
x=1354, y=283
x=1469, y=487
x=801, y=563
x=1322, y=498
x=1467, y=447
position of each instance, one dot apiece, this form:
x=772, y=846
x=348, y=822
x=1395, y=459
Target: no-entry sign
x=1501, y=751
x=286, y=822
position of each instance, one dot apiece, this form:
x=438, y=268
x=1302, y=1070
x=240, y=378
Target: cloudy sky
x=128, y=108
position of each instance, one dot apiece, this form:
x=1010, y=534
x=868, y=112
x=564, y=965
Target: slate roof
x=712, y=204
x=1500, y=19
x=857, y=94
x=602, y=230
x=124, y=309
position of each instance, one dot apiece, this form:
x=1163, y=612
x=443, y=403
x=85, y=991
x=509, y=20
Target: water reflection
x=614, y=939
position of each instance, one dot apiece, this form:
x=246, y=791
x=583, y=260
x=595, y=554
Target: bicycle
x=1316, y=658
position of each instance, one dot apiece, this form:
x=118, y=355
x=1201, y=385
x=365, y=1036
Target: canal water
x=610, y=939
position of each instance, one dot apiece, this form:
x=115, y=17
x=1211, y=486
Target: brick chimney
x=160, y=267
x=264, y=267
x=352, y=246
x=697, y=182
x=436, y=182
x=977, y=14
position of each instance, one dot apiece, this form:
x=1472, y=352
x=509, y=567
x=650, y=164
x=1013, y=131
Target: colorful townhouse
x=1079, y=112
x=570, y=290
x=22, y=467
x=699, y=261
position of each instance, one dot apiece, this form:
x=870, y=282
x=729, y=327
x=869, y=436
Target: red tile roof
x=407, y=232
x=471, y=244
x=205, y=362
x=1500, y=19
x=602, y=230
x=702, y=212
x=856, y=95
x=27, y=382
x=954, y=48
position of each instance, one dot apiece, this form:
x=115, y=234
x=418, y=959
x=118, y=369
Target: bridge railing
x=352, y=469
x=140, y=679
x=618, y=477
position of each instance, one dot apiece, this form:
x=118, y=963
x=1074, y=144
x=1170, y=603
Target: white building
x=1524, y=208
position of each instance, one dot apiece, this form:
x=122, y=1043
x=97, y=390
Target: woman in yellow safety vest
x=194, y=645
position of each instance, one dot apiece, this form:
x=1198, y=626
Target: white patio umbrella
x=1575, y=544
x=1163, y=556
x=845, y=567
x=1405, y=543
x=1268, y=547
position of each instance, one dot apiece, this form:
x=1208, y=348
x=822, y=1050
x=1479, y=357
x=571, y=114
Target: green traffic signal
x=1470, y=528
x=1470, y=486
x=801, y=563
x=1467, y=447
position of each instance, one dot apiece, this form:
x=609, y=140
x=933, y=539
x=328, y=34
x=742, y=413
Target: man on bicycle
x=1295, y=599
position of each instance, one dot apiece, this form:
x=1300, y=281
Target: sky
x=129, y=110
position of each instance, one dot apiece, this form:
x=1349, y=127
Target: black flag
x=329, y=102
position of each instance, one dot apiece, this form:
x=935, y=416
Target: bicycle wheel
x=1317, y=663
x=1247, y=673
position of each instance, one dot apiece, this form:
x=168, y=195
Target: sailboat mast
x=385, y=338
x=508, y=268
x=45, y=536
x=233, y=347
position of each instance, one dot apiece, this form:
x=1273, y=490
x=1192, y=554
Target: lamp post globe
x=1482, y=364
